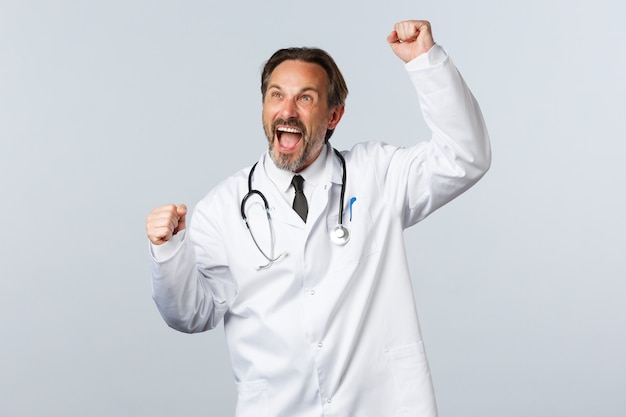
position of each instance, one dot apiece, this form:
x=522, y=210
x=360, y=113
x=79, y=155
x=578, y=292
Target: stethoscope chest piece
x=340, y=235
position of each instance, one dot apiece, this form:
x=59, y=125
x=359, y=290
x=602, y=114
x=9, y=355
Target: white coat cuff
x=167, y=249
x=435, y=56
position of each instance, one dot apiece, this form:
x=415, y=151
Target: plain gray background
x=110, y=108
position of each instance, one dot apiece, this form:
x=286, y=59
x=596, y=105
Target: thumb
x=181, y=211
x=393, y=37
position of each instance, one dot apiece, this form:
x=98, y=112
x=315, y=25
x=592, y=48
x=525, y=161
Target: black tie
x=299, y=201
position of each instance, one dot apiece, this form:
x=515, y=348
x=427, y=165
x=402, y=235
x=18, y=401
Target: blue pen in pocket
x=352, y=200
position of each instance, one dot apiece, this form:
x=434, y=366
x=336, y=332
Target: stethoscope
x=339, y=235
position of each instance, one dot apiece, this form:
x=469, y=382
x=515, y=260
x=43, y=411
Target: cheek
x=320, y=122
x=267, y=119
x=270, y=114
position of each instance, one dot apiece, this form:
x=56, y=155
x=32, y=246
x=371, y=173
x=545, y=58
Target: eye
x=306, y=98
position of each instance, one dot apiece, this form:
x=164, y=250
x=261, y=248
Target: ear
x=335, y=117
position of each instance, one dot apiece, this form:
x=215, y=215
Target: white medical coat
x=328, y=330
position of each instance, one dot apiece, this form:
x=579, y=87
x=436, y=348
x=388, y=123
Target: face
x=296, y=114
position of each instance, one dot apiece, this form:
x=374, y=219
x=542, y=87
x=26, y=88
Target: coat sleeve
x=420, y=179
x=191, y=295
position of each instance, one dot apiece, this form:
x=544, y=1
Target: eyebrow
x=302, y=90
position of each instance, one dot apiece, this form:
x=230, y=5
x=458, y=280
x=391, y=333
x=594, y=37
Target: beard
x=291, y=162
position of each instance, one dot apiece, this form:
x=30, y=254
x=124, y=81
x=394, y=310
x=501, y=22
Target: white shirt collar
x=311, y=174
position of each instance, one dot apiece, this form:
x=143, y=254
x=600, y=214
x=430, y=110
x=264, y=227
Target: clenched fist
x=411, y=38
x=164, y=222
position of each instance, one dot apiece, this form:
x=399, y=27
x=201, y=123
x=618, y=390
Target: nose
x=288, y=109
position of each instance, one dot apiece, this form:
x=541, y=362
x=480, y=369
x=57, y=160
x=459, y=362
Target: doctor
x=310, y=275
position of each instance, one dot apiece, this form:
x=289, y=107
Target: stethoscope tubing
x=339, y=239
x=344, y=178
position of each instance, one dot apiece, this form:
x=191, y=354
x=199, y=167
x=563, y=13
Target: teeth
x=288, y=130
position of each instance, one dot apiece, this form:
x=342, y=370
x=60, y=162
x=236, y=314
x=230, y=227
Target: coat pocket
x=413, y=389
x=252, y=400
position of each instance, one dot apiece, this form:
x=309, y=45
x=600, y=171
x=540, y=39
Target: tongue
x=289, y=140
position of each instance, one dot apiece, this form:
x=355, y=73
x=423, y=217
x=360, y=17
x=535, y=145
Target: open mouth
x=288, y=137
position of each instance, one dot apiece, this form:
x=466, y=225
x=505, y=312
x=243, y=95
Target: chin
x=288, y=162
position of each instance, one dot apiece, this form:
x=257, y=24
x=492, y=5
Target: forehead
x=293, y=73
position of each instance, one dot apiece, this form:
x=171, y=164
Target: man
x=316, y=297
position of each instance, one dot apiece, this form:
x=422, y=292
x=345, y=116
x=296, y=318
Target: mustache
x=292, y=122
